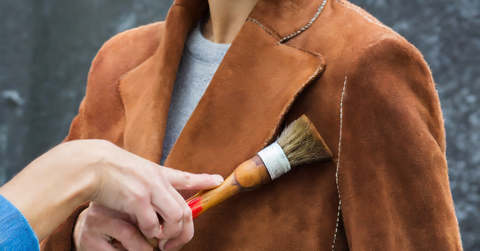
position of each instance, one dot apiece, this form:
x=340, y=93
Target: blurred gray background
x=46, y=47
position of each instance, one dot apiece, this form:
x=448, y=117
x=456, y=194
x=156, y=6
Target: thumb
x=188, y=181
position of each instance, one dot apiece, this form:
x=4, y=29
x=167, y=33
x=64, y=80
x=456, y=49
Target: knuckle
x=95, y=219
x=189, y=181
x=91, y=219
x=187, y=215
x=95, y=213
x=173, y=231
x=177, y=216
x=138, y=198
x=150, y=224
x=127, y=233
x=143, y=195
x=84, y=242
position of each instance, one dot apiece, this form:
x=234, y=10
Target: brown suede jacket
x=367, y=90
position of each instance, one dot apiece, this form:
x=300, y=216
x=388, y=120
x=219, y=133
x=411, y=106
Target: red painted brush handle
x=196, y=205
x=247, y=176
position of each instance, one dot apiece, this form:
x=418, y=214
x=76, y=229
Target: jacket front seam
x=338, y=165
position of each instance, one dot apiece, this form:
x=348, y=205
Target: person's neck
x=226, y=18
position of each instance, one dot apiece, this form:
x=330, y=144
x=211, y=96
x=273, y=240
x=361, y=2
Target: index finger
x=181, y=180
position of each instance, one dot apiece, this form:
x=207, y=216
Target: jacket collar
x=246, y=101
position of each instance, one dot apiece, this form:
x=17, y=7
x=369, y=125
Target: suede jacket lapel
x=146, y=90
x=242, y=108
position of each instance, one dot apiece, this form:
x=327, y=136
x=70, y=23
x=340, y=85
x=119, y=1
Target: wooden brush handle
x=247, y=176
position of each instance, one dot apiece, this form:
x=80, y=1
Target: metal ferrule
x=275, y=160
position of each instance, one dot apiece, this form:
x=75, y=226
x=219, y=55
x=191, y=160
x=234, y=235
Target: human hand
x=141, y=189
x=97, y=224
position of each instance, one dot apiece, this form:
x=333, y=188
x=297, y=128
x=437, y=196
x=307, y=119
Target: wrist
x=52, y=186
x=99, y=156
x=92, y=158
x=78, y=161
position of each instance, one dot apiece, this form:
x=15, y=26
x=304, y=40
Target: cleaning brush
x=299, y=143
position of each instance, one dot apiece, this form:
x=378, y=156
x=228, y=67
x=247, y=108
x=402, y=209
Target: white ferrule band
x=275, y=160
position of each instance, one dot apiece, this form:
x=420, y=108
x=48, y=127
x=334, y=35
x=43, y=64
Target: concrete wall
x=46, y=47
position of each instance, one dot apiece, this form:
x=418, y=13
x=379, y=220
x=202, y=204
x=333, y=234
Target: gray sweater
x=199, y=62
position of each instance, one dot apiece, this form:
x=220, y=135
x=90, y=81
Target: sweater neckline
x=203, y=49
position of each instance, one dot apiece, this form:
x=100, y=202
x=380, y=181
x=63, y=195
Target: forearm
x=47, y=191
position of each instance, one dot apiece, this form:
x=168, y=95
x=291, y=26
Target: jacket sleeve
x=392, y=171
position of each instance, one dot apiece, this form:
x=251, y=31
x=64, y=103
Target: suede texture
x=367, y=90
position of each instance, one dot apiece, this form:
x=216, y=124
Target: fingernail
x=162, y=244
x=218, y=178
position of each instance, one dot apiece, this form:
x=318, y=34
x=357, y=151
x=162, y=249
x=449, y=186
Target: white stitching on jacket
x=319, y=10
x=338, y=165
x=265, y=28
x=304, y=28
